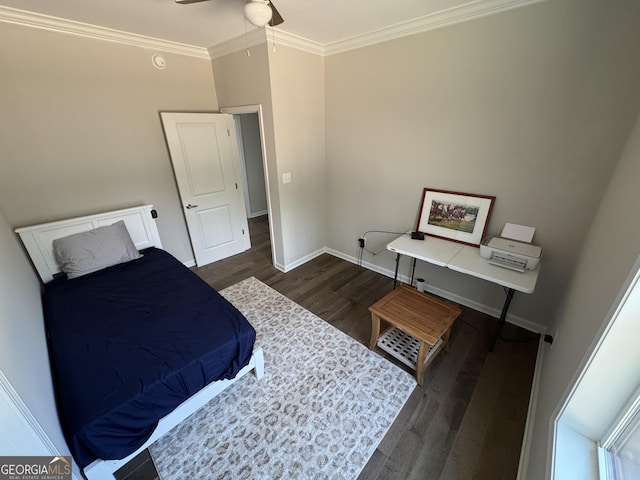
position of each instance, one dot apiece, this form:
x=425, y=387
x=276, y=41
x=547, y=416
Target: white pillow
x=87, y=252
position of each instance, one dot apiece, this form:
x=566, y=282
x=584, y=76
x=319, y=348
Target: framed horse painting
x=459, y=217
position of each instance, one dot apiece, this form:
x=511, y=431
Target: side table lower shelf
x=419, y=316
x=405, y=348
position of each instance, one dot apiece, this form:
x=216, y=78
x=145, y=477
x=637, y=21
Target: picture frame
x=456, y=216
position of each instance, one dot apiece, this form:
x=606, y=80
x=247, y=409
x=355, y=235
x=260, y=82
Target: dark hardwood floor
x=466, y=421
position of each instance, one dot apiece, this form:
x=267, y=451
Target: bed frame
x=38, y=239
x=140, y=222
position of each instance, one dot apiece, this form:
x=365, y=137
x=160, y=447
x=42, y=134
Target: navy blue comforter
x=130, y=343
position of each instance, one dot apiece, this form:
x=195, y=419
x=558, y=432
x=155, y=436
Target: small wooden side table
x=420, y=325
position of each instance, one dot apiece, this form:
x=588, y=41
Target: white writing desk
x=464, y=259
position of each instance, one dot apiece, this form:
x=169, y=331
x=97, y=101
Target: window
x=597, y=430
x=619, y=450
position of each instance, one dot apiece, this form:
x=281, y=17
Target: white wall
x=611, y=248
x=532, y=105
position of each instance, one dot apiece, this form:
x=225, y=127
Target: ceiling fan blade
x=276, y=19
x=184, y=2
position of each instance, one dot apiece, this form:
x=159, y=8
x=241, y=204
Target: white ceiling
x=212, y=22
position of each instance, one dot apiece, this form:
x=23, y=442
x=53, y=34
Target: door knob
x=189, y=207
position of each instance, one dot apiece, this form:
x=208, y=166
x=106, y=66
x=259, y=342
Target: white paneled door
x=203, y=152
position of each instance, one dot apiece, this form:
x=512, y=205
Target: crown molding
x=273, y=37
x=250, y=39
x=295, y=41
x=55, y=24
x=469, y=11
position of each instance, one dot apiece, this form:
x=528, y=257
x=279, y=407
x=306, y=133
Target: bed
x=137, y=345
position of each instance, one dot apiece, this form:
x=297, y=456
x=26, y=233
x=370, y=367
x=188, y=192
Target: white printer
x=515, y=254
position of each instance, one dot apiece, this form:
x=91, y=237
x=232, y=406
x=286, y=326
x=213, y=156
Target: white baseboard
x=367, y=265
x=492, y=311
x=521, y=322
x=531, y=414
x=257, y=214
x=21, y=412
x=290, y=266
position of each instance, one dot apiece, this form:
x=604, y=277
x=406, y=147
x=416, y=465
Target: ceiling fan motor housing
x=258, y=12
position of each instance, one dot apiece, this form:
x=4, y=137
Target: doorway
x=253, y=164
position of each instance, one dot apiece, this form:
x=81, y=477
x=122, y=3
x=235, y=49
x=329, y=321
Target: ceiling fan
x=258, y=12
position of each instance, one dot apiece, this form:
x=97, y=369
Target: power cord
x=362, y=243
x=362, y=247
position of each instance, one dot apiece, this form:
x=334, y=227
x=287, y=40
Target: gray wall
x=254, y=167
x=532, y=105
x=289, y=84
x=80, y=130
x=79, y=133
x=611, y=249
x=23, y=351
x=244, y=80
x=298, y=95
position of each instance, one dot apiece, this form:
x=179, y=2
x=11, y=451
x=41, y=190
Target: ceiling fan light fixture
x=258, y=12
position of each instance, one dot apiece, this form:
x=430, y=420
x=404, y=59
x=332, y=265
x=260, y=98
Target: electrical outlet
x=551, y=339
x=362, y=242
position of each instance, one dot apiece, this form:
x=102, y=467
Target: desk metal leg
x=395, y=277
x=413, y=271
x=503, y=316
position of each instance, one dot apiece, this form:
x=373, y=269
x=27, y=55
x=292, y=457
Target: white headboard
x=38, y=239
